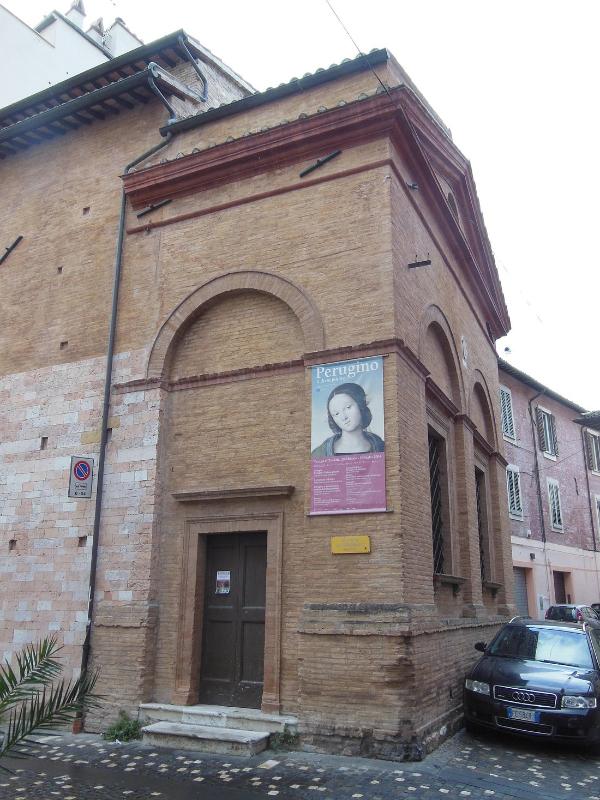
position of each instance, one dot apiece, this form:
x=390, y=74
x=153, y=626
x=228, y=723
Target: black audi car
x=538, y=679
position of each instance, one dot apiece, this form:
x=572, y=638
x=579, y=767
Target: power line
x=360, y=52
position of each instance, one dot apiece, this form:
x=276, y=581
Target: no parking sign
x=81, y=476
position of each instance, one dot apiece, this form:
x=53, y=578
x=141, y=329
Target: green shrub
x=124, y=729
x=287, y=740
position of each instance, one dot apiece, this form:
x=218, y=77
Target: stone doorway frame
x=191, y=600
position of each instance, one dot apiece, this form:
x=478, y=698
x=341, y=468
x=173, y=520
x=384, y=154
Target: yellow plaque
x=350, y=544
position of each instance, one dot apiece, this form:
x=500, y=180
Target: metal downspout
x=537, y=468
x=152, y=72
x=591, y=507
x=589, y=491
x=183, y=44
x=539, y=491
x=85, y=656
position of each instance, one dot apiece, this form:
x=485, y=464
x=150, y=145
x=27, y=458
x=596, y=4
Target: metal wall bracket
x=9, y=249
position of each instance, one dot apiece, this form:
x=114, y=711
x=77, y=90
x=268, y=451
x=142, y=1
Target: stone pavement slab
x=467, y=767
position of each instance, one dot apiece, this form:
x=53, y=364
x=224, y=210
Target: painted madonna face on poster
x=347, y=437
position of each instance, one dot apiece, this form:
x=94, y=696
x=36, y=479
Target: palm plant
x=32, y=698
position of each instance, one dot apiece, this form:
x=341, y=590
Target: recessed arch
x=298, y=300
x=437, y=345
x=481, y=409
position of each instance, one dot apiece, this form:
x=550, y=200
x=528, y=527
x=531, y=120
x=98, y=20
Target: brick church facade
x=239, y=270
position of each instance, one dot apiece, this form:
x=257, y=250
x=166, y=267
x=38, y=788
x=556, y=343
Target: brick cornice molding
x=233, y=493
x=438, y=394
x=482, y=442
x=248, y=198
x=396, y=115
x=379, y=347
x=466, y=420
x=497, y=456
x=343, y=126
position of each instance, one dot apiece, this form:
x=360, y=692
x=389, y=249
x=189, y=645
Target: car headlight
x=479, y=687
x=578, y=701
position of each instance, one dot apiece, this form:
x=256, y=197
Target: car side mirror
x=481, y=646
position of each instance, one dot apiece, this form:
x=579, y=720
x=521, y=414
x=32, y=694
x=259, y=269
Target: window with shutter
x=513, y=490
x=592, y=451
x=555, y=508
x=506, y=409
x=553, y=439
x=546, y=426
x=436, y=459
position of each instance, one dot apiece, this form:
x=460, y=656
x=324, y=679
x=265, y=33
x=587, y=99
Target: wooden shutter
x=589, y=450
x=517, y=491
x=540, y=428
x=513, y=487
x=554, y=442
x=508, y=425
x=555, y=509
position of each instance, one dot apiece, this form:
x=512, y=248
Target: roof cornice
x=45, y=119
x=383, y=114
x=140, y=54
x=504, y=366
x=296, y=85
x=258, y=152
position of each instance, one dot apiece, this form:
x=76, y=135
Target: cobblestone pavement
x=483, y=766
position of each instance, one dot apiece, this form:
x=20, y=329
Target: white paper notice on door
x=223, y=582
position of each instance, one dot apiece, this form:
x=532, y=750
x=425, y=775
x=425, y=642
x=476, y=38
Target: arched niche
x=437, y=351
x=236, y=330
x=259, y=289
x=481, y=409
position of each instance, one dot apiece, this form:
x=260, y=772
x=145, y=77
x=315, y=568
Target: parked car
x=596, y=607
x=538, y=678
x=570, y=612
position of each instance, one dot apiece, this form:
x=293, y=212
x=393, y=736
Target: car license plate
x=524, y=714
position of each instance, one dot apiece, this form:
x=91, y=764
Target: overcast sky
x=517, y=83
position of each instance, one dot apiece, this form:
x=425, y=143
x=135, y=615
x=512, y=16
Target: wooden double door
x=233, y=639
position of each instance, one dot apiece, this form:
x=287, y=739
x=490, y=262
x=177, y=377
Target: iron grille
x=437, y=524
x=480, y=522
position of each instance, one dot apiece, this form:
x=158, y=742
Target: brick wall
x=360, y=636
x=572, y=550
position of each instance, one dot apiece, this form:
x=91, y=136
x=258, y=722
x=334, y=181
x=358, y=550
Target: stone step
x=251, y=719
x=208, y=739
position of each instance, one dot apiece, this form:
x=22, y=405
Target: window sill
x=441, y=579
x=557, y=530
x=518, y=517
x=549, y=456
x=492, y=587
x=511, y=439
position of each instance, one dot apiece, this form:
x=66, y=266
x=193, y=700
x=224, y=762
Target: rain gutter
x=85, y=656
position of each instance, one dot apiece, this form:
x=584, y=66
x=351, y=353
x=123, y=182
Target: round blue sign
x=82, y=470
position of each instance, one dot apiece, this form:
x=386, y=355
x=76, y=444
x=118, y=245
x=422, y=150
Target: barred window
x=546, y=425
x=437, y=467
x=555, y=507
x=592, y=451
x=506, y=409
x=482, y=524
x=513, y=490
